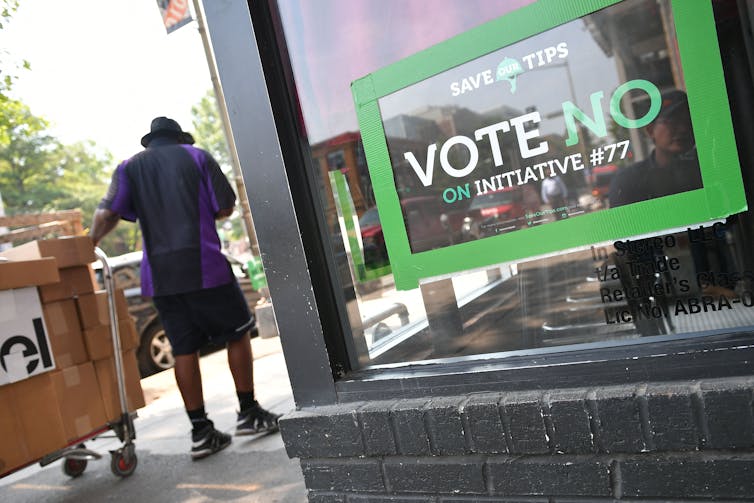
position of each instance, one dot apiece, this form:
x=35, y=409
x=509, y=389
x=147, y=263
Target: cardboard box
x=74, y=281
x=25, y=348
x=79, y=401
x=69, y=251
x=129, y=337
x=99, y=339
x=64, y=331
x=19, y=274
x=108, y=385
x=13, y=453
x=94, y=308
x=36, y=408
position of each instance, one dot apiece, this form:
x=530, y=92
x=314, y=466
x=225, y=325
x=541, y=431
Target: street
x=251, y=470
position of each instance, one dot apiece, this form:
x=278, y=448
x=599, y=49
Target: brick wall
x=649, y=442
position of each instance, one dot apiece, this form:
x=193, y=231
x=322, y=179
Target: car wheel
x=155, y=352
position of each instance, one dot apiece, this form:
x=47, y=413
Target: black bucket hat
x=673, y=101
x=162, y=126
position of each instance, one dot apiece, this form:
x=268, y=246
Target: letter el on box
x=24, y=342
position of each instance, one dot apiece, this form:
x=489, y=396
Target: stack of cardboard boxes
x=57, y=367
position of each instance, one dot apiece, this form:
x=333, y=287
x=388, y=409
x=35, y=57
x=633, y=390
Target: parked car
x=154, y=353
x=494, y=213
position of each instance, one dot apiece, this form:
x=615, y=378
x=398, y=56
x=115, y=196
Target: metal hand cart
x=122, y=460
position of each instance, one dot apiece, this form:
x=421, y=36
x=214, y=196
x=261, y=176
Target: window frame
x=313, y=317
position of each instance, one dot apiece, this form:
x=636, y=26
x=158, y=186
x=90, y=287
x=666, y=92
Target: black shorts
x=191, y=320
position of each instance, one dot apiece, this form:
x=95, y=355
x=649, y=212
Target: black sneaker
x=256, y=420
x=208, y=441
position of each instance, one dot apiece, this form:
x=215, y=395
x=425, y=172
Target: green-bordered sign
x=560, y=125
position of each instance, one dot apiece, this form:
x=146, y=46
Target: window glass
x=681, y=284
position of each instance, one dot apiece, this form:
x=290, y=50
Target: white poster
x=24, y=345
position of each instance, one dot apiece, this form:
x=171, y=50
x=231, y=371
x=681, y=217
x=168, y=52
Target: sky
x=102, y=70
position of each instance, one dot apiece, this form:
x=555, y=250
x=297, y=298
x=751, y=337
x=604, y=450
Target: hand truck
x=76, y=456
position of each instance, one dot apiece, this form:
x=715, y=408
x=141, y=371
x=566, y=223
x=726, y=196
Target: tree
x=40, y=174
x=8, y=68
x=210, y=135
x=27, y=177
x=37, y=172
x=84, y=174
x=208, y=129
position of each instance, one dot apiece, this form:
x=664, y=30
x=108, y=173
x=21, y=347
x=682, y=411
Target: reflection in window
x=336, y=160
x=684, y=282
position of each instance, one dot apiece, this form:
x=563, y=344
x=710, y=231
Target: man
x=176, y=191
x=555, y=194
x=672, y=167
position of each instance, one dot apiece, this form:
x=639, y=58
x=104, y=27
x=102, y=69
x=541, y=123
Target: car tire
x=155, y=353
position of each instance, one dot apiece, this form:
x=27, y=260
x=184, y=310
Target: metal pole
x=235, y=164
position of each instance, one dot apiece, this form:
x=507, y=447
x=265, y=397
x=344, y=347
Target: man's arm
x=224, y=213
x=223, y=193
x=103, y=222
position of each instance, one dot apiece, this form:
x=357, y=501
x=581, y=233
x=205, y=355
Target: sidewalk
x=250, y=470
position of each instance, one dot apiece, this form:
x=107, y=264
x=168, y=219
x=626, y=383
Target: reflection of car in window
x=600, y=179
x=375, y=253
x=429, y=224
x=154, y=352
x=494, y=213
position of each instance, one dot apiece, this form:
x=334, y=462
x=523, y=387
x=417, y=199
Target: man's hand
x=103, y=222
x=224, y=213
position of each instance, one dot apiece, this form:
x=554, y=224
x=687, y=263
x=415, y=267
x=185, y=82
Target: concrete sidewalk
x=250, y=470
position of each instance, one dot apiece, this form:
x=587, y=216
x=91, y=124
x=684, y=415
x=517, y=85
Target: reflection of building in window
x=450, y=119
x=434, y=124
x=336, y=160
x=411, y=127
x=406, y=181
x=640, y=37
x=505, y=112
x=363, y=169
x=345, y=153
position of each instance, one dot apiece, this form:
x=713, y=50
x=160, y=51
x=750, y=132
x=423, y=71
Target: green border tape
x=722, y=195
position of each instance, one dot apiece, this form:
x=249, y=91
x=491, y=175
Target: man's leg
x=206, y=439
x=188, y=376
x=252, y=418
x=241, y=364
x=186, y=338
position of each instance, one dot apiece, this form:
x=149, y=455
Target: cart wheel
x=74, y=467
x=123, y=463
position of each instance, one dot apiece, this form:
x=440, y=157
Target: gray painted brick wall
x=649, y=442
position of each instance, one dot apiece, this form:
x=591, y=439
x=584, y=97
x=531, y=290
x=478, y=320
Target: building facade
x=603, y=370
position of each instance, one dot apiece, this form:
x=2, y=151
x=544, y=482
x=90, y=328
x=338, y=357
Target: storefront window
x=682, y=283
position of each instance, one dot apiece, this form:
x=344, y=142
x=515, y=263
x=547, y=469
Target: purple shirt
x=175, y=192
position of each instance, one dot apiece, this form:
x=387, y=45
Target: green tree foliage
x=27, y=178
x=208, y=129
x=210, y=135
x=8, y=67
x=40, y=174
x=84, y=174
